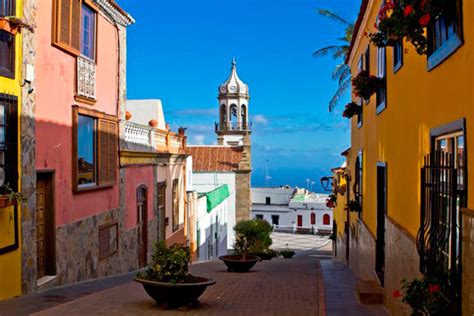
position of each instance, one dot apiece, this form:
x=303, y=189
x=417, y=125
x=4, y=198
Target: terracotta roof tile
x=215, y=158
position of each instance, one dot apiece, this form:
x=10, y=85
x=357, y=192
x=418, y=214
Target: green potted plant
x=8, y=197
x=351, y=109
x=251, y=236
x=365, y=85
x=167, y=280
x=354, y=206
x=426, y=296
x=287, y=253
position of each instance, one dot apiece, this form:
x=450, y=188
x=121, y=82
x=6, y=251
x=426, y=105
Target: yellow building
x=10, y=105
x=409, y=159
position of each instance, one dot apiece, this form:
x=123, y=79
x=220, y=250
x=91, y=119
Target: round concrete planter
x=235, y=263
x=175, y=295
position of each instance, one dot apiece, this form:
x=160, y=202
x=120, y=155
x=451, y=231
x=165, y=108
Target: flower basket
x=351, y=109
x=354, y=206
x=5, y=201
x=365, y=85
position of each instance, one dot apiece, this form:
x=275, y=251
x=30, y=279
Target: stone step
x=369, y=292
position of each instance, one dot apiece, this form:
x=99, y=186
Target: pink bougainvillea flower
x=425, y=19
x=396, y=293
x=408, y=10
x=423, y=4
x=434, y=288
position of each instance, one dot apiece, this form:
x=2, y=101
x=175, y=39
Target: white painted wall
x=207, y=225
x=208, y=181
x=281, y=196
x=145, y=110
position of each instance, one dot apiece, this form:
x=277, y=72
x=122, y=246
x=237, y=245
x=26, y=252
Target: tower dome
x=233, y=84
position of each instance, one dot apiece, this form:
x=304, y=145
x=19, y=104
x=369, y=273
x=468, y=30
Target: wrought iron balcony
x=233, y=126
x=86, y=74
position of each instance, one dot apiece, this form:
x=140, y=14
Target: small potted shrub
x=351, y=109
x=426, y=296
x=166, y=278
x=287, y=253
x=250, y=236
x=8, y=197
x=365, y=84
x=354, y=206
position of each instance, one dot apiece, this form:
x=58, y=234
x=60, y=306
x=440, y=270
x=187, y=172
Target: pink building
x=82, y=232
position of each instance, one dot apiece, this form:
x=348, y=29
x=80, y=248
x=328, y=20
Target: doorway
x=300, y=220
x=381, y=214
x=142, y=222
x=45, y=225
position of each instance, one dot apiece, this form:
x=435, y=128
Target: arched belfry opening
x=233, y=127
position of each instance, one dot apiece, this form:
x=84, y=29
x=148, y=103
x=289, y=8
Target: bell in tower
x=233, y=128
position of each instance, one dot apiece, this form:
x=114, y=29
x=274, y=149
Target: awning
x=216, y=197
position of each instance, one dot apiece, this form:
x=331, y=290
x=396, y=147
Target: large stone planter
x=235, y=263
x=175, y=295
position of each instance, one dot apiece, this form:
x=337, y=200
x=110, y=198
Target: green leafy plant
x=426, y=296
x=12, y=196
x=252, y=236
x=354, y=206
x=287, y=253
x=351, y=109
x=168, y=264
x=365, y=85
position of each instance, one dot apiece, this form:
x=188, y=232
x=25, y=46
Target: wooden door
x=300, y=220
x=45, y=227
x=381, y=213
x=142, y=223
x=161, y=211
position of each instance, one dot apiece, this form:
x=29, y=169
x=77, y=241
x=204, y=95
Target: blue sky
x=180, y=51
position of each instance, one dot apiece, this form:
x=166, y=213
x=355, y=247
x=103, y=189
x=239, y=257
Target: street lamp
x=326, y=182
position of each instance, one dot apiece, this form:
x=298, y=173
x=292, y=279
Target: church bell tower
x=233, y=128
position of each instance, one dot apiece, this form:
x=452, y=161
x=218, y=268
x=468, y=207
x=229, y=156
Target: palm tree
x=342, y=73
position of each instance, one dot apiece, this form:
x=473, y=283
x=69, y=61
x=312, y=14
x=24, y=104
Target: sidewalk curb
x=322, y=293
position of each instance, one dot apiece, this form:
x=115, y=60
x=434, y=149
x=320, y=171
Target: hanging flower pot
x=14, y=25
x=354, y=206
x=365, y=85
x=7, y=27
x=128, y=115
x=6, y=202
x=351, y=109
x=153, y=123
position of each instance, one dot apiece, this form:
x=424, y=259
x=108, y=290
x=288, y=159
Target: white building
x=311, y=213
x=293, y=210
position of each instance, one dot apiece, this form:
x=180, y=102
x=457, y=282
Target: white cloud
x=198, y=139
x=260, y=119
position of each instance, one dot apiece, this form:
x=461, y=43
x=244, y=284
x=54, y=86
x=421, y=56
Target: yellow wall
x=418, y=101
x=339, y=213
x=10, y=263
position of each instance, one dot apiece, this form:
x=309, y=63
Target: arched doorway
x=326, y=219
x=142, y=223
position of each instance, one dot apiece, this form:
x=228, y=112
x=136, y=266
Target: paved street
x=277, y=287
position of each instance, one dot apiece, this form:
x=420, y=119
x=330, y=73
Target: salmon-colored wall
x=55, y=89
x=134, y=177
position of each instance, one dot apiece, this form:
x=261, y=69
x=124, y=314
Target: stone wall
x=362, y=251
x=243, y=201
x=467, y=262
x=27, y=154
x=401, y=262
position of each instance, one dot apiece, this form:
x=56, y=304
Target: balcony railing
x=141, y=138
x=233, y=126
x=86, y=74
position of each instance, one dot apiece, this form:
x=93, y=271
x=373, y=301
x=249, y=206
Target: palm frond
x=335, y=50
x=341, y=72
x=333, y=16
x=340, y=92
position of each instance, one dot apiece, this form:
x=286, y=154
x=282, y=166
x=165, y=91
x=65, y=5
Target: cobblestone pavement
x=276, y=287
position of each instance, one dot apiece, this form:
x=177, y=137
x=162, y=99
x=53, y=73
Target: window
x=161, y=209
x=259, y=216
x=268, y=200
x=88, y=33
x=358, y=178
x=175, y=194
x=108, y=240
x=313, y=219
x=445, y=34
x=397, y=56
x=74, y=27
x=326, y=219
x=95, y=149
x=381, y=73
x=8, y=141
x=275, y=220
x=7, y=42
